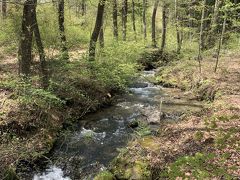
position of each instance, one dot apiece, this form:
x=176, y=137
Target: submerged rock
x=139, y=85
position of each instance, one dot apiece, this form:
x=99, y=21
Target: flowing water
x=84, y=152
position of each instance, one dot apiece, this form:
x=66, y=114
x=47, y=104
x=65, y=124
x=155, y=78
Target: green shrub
x=29, y=95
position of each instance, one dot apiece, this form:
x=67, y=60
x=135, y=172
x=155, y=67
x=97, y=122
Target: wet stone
x=139, y=85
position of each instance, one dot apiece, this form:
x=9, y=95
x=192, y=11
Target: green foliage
x=116, y=65
x=10, y=30
x=233, y=42
x=198, y=166
x=143, y=129
x=28, y=95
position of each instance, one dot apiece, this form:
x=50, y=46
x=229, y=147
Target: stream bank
x=100, y=137
x=204, y=144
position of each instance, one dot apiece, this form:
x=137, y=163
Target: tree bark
x=220, y=42
x=191, y=16
x=97, y=28
x=200, y=44
x=25, y=45
x=133, y=18
x=83, y=7
x=210, y=39
x=4, y=8
x=101, y=36
x=215, y=14
x=43, y=63
x=62, y=29
x=154, y=42
x=179, y=39
x=164, y=26
x=115, y=19
x=124, y=19
x=144, y=20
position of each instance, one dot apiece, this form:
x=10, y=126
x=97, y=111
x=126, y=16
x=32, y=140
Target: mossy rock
x=104, y=175
x=140, y=170
x=123, y=168
x=149, y=143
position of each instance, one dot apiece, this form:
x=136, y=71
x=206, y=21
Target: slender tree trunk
x=220, y=41
x=101, y=36
x=154, y=42
x=191, y=16
x=215, y=14
x=179, y=39
x=124, y=19
x=62, y=29
x=43, y=63
x=96, y=31
x=164, y=26
x=133, y=18
x=115, y=19
x=83, y=7
x=210, y=38
x=4, y=8
x=25, y=46
x=200, y=44
x=144, y=20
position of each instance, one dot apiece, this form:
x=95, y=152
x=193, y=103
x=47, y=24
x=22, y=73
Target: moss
x=136, y=170
x=126, y=167
x=149, y=143
x=140, y=170
x=104, y=175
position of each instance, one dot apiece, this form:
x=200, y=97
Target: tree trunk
x=179, y=39
x=200, y=44
x=144, y=20
x=115, y=19
x=154, y=42
x=25, y=45
x=210, y=39
x=133, y=18
x=43, y=63
x=83, y=7
x=164, y=26
x=4, y=8
x=124, y=19
x=101, y=36
x=220, y=41
x=215, y=14
x=62, y=29
x=97, y=28
x=191, y=16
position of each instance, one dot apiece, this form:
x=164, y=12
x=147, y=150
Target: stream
x=82, y=153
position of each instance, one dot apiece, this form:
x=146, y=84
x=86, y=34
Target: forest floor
x=204, y=145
